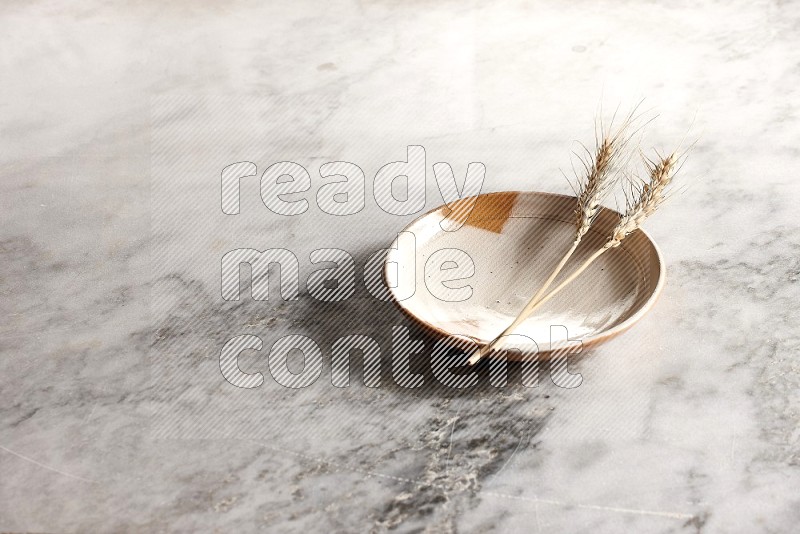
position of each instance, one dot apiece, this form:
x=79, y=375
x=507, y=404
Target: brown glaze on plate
x=515, y=240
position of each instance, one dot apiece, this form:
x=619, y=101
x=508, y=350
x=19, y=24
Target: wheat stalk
x=649, y=196
x=594, y=186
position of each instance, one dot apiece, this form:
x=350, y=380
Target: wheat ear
x=650, y=196
x=594, y=188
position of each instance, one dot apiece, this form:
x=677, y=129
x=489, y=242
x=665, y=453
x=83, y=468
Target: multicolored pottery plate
x=508, y=245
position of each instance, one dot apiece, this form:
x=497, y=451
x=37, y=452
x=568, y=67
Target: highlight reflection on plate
x=514, y=240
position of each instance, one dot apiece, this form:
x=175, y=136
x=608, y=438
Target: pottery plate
x=514, y=240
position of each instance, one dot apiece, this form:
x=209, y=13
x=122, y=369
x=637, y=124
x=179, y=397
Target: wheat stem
x=532, y=306
x=529, y=307
x=650, y=196
x=552, y=276
x=561, y=286
x=594, y=188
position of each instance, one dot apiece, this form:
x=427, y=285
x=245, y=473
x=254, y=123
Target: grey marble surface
x=117, y=119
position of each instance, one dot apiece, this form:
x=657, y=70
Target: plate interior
x=515, y=240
